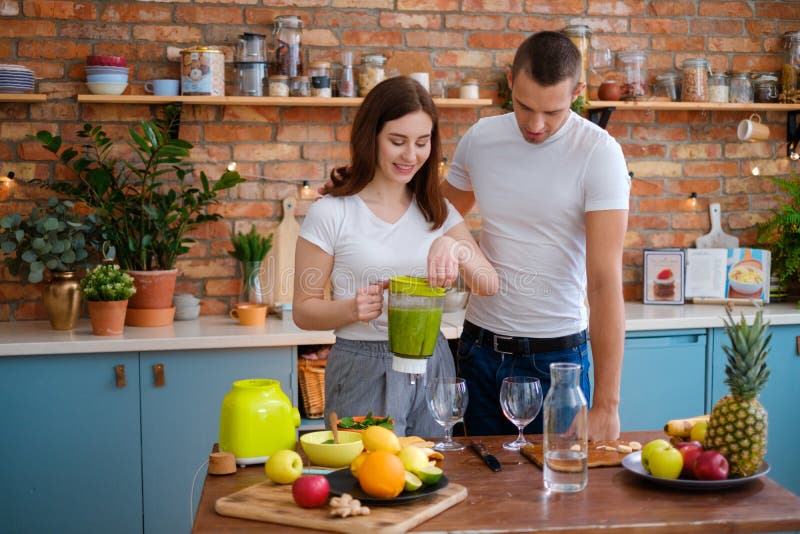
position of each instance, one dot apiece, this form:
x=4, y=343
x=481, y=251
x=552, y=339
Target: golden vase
x=62, y=300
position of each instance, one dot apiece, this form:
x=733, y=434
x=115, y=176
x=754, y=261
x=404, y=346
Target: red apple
x=711, y=465
x=690, y=450
x=311, y=491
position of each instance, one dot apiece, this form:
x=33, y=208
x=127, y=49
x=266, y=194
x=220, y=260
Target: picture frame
x=664, y=276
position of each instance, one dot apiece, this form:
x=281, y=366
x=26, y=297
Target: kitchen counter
x=515, y=500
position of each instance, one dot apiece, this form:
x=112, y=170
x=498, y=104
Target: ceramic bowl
x=339, y=454
x=187, y=313
x=746, y=279
x=116, y=61
x=185, y=299
x=107, y=70
x=107, y=78
x=106, y=88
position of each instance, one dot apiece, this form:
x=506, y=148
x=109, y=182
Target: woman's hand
x=369, y=301
x=444, y=257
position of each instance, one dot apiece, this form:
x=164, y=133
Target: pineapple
x=738, y=424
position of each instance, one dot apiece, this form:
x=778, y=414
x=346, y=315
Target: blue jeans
x=484, y=370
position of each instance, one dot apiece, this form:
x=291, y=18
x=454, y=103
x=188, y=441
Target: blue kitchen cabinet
x=180, y=421
x=779, y=398
x=663, y=377
x=70, y=444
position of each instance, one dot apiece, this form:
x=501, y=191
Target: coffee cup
x=752, y=130
x=162, y=87
x=422, y=78
x=249, y=314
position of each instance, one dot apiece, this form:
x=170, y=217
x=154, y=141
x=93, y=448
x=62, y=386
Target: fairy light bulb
x=231, y=166
x=306, y=192
x=693, y=199
x=755, y=170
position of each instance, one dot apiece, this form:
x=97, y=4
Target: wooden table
x=515, y=499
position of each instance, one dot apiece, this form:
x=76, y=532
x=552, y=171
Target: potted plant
x=251, y=249
x=781, y=234
x=49, y=245
x=147, y=206
x=107, y=289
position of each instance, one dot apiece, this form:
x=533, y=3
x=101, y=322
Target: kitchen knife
x=488, y=458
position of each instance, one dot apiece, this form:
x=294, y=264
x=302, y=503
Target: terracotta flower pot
x=154, y=289
x=107, y=317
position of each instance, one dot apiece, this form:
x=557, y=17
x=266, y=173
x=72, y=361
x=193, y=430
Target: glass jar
x=288, y=52
x=695, y=80
x=371, y=73
x=299, y=86
x=469, y=89
x=741, y=90
x=579, y=34
x=279, y=85
x=765, y=88
x=635, y=76
x=347, y=81
x=791, y=65
x=566, y=433
x=719, y=87
x=668, y=85
x=321, y=79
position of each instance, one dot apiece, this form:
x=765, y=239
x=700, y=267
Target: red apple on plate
x=690, y=450
x=311, y=491
x=711, y=465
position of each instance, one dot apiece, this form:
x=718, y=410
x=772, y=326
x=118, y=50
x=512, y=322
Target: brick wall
x=670, y=153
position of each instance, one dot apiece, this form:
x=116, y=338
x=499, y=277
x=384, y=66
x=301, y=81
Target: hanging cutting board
x=280, y=259
x=716, y=238
x=274, y=504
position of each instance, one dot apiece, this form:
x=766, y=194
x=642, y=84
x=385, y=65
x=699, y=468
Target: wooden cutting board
x=716, y=238
x=280, y=259
x=273, y=503
x=597, y=457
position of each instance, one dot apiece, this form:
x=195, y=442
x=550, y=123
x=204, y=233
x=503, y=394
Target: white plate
x=633, y=463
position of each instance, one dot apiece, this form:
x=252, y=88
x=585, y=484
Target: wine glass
x=447, y=400
x=521, y=399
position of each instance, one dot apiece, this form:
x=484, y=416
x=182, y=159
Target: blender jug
x=415, y=315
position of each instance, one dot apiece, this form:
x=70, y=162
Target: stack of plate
x=15, y=79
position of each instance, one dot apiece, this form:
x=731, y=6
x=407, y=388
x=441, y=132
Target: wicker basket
x=311, y=375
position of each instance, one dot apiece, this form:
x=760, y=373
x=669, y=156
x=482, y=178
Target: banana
x=682, y=427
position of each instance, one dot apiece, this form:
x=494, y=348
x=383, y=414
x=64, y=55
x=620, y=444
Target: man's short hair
x=548, y=58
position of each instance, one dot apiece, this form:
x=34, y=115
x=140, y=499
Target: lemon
x=378, y=438
x=430, y=474
x=413, y=483
x=357, y=463
x=698, y=431
x=413, y=458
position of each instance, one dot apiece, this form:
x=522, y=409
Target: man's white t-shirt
x=532, y=200
x=367, y=249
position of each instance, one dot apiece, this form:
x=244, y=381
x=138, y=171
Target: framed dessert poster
x=664, y=276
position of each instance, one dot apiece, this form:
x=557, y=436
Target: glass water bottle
x=566, y=432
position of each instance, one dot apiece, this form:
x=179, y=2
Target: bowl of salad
x=359, y=423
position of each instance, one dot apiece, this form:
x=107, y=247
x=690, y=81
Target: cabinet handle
x=158, y=375
x=119, y=372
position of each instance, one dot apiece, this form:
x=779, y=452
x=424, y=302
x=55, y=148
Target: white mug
x=752, y=130
x=162, y=87
x=422, y=78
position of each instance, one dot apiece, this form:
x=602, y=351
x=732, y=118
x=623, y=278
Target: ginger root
x=346, y=506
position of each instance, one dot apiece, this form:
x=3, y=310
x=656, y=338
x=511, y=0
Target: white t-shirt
x=532, y=199
x=367, y=249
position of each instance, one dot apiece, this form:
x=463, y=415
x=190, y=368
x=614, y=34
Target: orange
x=382, y=475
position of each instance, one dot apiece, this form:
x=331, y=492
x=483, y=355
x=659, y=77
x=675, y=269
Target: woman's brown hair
x=389, y=100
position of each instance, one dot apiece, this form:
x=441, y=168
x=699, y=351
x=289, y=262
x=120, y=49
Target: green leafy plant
x=54, y=237
x=369, y=420
x=781, y=234
x=144, y=213
x=107, y=282
x=251, y=246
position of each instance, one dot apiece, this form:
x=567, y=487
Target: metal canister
x=202, y=71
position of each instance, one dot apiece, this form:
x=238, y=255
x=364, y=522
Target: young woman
x=379, y=220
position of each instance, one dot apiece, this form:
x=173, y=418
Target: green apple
x=430, y=474
x=284, y=467
x=413, y=483
x=698, y=431
x=666, y=462
x=413, y=458
x=649, y=448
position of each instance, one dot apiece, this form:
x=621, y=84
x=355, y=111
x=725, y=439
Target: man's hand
x=603, y=424
x=369, y=301
x=444, y=257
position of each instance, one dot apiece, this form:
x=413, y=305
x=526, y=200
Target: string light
x=755, y=170
x=7, y=180
x=306, y=192
x=693, y=199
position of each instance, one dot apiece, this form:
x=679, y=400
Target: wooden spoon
x=334, y=426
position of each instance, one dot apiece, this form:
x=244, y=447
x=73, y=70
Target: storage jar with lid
x=203, y=71
x=469, y=89
x=668, y=85
x=719, y=87
x=287, y=33
x=347, y=81
x=741, y=90
x=371, y=73
x=321, y=79
x=765, y=88
x=791, y=65
x=635, y=76
x=279, y=85
x=579, y=34
x=299, y=86
x=696, y=71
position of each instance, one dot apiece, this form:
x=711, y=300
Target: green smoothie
x=413, y=331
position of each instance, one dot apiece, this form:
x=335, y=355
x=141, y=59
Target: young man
x=552, y=190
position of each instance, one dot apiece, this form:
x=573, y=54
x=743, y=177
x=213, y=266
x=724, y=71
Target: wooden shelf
x=262, y=101
x=645, y=105
x=22, y=98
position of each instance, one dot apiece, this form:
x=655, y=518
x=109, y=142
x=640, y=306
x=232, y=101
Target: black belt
x=523, y=345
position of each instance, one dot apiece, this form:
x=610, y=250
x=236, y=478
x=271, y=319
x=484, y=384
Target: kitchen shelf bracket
x=600, y=116
x=792, y=133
